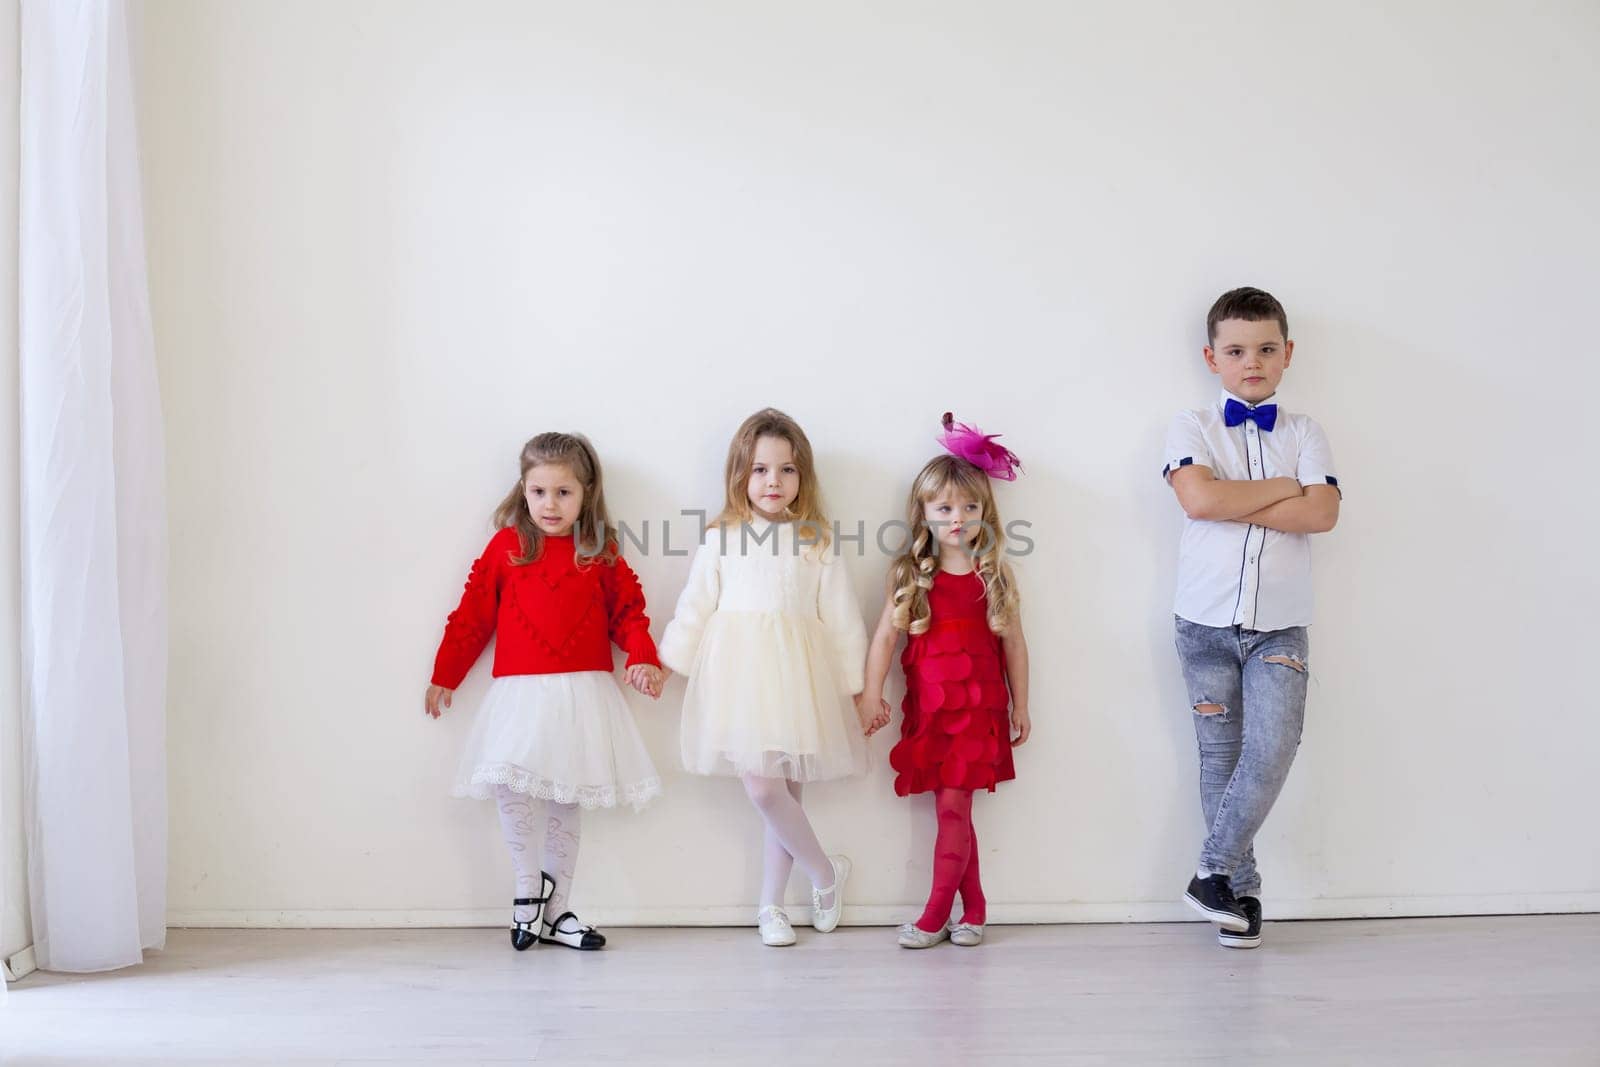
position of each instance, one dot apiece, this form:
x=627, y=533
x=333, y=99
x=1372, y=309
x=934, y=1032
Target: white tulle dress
x=769, y=633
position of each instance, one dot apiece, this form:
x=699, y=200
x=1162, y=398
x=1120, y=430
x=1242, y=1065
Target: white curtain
x=12, y=926
x=94, y=621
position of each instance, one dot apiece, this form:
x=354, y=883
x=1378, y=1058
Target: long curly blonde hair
x=911, y=575
x=594, y=538
x=806, y=511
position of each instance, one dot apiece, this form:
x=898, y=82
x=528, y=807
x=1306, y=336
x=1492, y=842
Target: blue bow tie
x=1265, y=416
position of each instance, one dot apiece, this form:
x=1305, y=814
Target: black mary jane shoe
x=525, y=934
x=569, y=931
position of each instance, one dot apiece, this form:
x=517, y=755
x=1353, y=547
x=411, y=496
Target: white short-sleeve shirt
x=1235, y=573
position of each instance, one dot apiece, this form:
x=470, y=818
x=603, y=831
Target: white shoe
x=967, y=935
x=773, y=922
x=914, y=936
x=823, y=919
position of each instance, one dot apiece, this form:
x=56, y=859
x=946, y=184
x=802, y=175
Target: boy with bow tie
x=1255, y=481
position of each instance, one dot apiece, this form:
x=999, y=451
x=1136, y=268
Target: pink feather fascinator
x=979, y=449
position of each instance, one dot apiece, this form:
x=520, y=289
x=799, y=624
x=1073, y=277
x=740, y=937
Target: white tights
x=789, y=839
x=519, y=818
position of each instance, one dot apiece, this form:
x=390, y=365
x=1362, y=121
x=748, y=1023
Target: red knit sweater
x=550, y=616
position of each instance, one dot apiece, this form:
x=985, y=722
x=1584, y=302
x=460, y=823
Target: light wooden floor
x=1435, y=991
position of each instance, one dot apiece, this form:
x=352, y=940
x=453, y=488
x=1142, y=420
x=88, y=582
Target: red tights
x=955, y=863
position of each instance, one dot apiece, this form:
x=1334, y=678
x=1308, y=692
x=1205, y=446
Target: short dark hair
x=1249, y=304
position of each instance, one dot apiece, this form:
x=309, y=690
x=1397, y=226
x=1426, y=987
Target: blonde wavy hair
x=594, y=538
x=806, y=511
x=911, y=575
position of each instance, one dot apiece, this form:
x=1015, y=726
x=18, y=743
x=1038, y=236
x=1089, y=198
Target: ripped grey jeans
x=1259, y=681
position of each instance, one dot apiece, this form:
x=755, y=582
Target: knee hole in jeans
x=1210, y=709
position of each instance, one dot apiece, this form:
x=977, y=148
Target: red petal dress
x=956, y=733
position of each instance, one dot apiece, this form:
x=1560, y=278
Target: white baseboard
x=892, y=915
x=19, y=964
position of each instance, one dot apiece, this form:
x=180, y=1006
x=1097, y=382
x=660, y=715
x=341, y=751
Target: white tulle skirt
x=764, y=697
x=563, y=737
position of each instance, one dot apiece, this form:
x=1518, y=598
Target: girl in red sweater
x=554, y=735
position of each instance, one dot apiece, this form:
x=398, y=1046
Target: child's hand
x=437, y=700
x=647, y=679
x=1021, y=724
x=873, y=713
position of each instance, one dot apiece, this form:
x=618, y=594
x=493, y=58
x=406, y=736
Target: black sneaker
x=1250, y=938
x=1213, y=898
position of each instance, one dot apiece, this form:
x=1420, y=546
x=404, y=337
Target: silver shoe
x=914, y=936
x=967, y=935
x=773, y=922
x=823, y=919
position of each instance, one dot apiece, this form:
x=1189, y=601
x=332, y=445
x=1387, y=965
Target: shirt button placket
x=1254, y=538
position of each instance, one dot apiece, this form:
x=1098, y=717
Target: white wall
x=391, y=241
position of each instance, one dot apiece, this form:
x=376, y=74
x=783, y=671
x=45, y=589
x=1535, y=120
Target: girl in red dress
x=965, y=661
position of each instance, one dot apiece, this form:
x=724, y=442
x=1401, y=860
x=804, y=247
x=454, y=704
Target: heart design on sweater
x=559, y=609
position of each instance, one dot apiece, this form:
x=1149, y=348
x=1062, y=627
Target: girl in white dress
x=769, y=633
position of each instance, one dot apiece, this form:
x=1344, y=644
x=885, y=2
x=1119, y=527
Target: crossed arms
x=1276, y=503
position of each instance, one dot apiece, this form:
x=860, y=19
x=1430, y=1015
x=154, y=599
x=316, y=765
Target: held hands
x=1021, y=724
x=873, y=713
x=437, y=700
x=648, y=679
